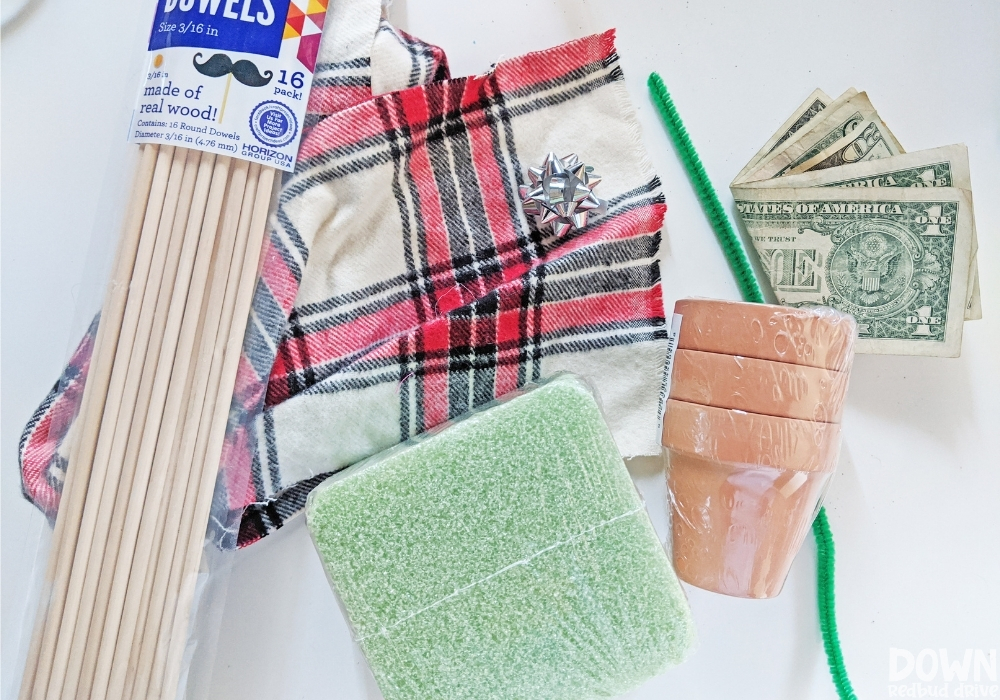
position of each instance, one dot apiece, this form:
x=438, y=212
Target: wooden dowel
x=193, y=453
x=108, y=497
x=183, y=459
x=144, y=511
x=78, y=556
x=174, y=485
x=145, y=453
x=95, y=392
x=212, y=312
x=223, y=276
x=176, y=339
x=218, y=191
x=188, y=555
x=202, y=267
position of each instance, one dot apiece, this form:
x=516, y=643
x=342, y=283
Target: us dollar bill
x=836, y=122
x=895, y=258
x=837, y=109
x=869, y=141
x=947, y=166
x=803, y=114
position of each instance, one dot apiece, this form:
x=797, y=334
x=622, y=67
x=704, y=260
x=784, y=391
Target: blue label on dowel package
x=230, y=76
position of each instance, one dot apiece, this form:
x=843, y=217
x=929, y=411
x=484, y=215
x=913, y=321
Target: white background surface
x=914, y=510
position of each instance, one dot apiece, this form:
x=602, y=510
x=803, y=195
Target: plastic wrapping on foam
x=752, y=431
x=618, y=491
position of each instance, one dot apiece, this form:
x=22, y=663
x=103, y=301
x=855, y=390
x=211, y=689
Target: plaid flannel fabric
x=402, y=284
x=343, y=78
x=42, y=457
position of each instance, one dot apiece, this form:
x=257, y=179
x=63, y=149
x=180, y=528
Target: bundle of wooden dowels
x=130, y=531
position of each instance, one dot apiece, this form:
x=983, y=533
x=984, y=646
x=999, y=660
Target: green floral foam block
x=506, y=556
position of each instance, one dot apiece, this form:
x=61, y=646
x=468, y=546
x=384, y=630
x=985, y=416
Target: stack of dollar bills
x=840, y=215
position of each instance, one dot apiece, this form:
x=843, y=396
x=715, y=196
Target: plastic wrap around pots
x=743, y=489
x=726, y=435
x=815, y=337
x=759, y=386
x=737, y=528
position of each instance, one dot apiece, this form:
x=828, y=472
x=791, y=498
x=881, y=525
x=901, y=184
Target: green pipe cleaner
x=825, y=558
x=751, y=291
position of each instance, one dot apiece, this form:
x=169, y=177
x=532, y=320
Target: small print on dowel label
x=230, y=77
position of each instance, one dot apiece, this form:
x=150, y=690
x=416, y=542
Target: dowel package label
x=230, y=77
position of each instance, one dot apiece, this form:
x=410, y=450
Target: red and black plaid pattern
x=481, y=298
x=340, y=82
x=482, y=350
x=402, y=285
x=43, y=462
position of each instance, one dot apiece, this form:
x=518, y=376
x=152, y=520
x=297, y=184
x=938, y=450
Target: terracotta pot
x=739, y=437
x=736, y=528
x=743, y=488
x=816, y=337
x=753, y=436
x=761, y=386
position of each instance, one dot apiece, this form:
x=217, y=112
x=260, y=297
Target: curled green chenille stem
x=751, y=291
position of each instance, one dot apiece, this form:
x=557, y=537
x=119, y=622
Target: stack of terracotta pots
x=752, y=431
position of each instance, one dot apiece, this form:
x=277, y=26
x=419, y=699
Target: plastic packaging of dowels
x=163, y=490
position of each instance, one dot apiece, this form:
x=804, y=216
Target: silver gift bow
x=561, y=194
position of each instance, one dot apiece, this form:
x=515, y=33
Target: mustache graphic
x=244, y=71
